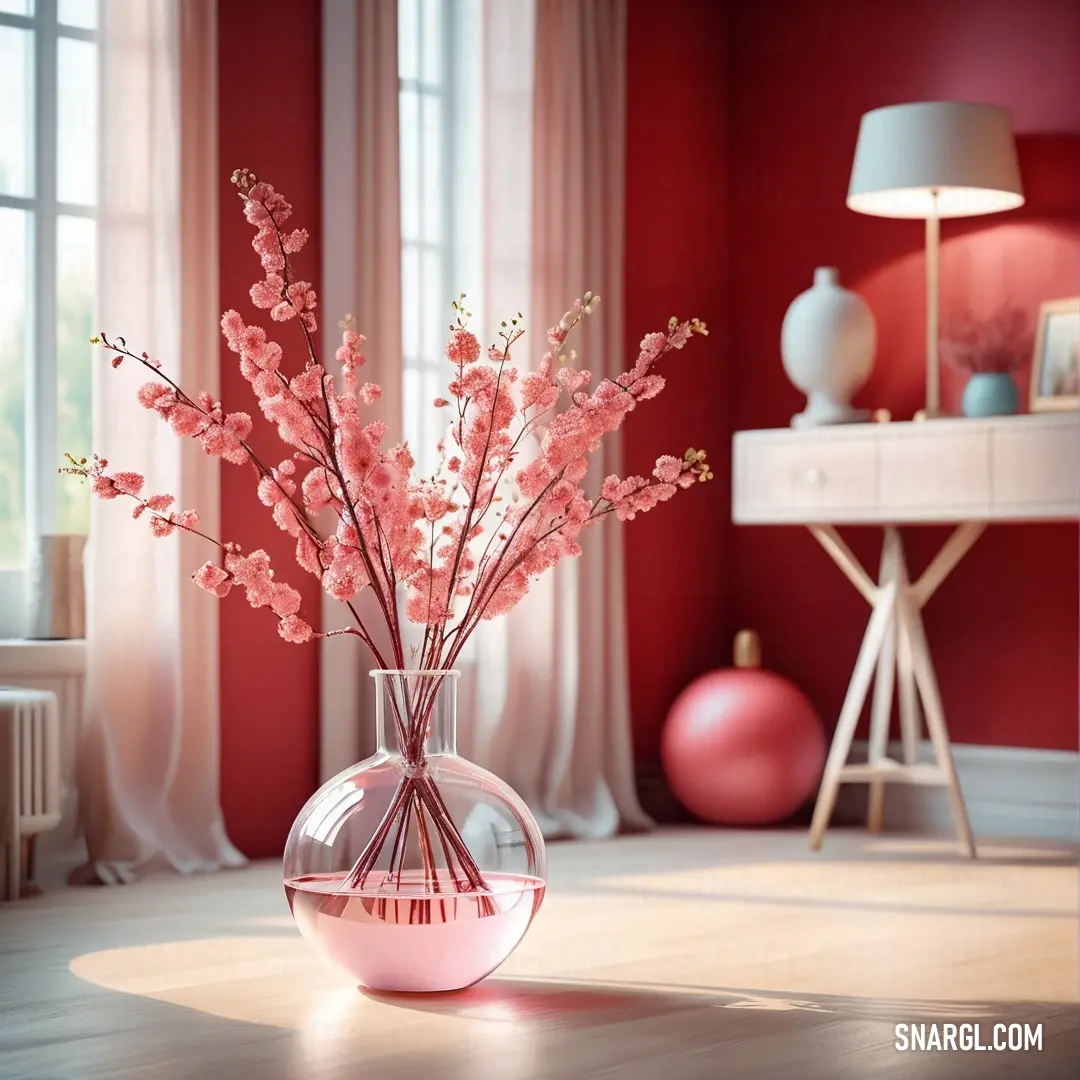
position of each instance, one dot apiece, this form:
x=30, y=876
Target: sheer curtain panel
x=148, y=761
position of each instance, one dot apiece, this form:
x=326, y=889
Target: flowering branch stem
x=386, y=603
x=388, y=523
x=262, y=469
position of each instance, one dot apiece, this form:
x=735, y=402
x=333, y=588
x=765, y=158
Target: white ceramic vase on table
x=827, y=342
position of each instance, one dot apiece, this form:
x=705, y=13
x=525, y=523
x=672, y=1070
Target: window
x=48, y=194
x=438, y=71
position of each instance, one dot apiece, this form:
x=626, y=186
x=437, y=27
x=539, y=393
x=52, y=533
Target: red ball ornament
x=743, y=746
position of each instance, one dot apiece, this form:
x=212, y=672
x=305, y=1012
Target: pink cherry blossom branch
x=162, y=524
x=511, y=453
x=130, y=485
x=379, y=542
x=466, y=529
x=387, y=603
x=693, y=469
x=634, y=496
x=571, y=323
x=652, y=351
x=240, y=452
x=393, y=530
x=387, y=606
x=252, y=572
x=119, y=347
x=272, y=207
x=462, y=349
x=465, y=349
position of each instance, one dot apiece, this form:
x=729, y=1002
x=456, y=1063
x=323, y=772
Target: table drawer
x=791, y=476
x=1004, y=468
x=946, y=472
x=1034, y=468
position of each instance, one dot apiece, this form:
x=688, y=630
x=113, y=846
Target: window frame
x=450, y=90
x=41, y=387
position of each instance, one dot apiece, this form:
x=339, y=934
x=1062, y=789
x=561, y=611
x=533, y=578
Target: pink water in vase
x=415, y=870
x=396, y=941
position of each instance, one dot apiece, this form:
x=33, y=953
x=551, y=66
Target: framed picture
x=1055, y=371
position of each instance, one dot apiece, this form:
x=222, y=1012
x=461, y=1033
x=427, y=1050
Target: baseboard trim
x=1009, y=792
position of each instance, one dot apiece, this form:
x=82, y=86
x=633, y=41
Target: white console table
x=967, y=473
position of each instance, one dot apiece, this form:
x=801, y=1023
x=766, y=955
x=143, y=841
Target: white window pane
x=76, y=239
x=433, y=181
x=76, y=148
x=434, y=315
x=14, y=274
x=16, y=105
x=412, y=428
x=82, y=13
x=409, y=154
x=17, y=7
x=408, y=39
x=410, y=304
x=431, y=41
x=434, y=419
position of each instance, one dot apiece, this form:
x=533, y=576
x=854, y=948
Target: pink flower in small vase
x=1000, y=344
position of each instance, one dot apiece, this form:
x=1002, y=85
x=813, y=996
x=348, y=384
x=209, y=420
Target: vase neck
x=827, y=276
x=416, y=713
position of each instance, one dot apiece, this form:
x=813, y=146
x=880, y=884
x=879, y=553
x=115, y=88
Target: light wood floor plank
x=680, y=955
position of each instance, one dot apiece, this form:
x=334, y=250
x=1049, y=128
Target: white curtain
x=545, y=694
x=543, y=698
x=148, y=765
x=362, y=277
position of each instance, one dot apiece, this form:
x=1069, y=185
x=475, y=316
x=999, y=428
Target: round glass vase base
x=415, y=871
x=397, y=934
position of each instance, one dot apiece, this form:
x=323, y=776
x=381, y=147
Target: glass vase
x=415, y=870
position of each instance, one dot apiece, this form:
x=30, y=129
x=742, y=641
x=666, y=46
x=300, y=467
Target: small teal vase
x=990, y=393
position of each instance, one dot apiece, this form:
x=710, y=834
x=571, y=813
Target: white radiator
x=29, y=773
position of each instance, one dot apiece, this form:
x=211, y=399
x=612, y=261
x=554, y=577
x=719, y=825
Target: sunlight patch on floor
x=644, y=935
x=908, y=886
x=987, y=852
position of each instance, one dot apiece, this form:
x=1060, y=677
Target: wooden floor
x=684, y=954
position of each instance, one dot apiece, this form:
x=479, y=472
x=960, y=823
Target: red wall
x=742, y=122
x=677, y=264
x=1004, y=626
x=742, y=119
x=269, y=122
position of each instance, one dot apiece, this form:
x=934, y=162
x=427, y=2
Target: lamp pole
x=933, y=248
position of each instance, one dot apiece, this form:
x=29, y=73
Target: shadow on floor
x=515, y=1029
x=587, y=1003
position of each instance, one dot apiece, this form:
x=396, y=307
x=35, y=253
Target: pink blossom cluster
x=255, y=576
x=461, y=546
x=163, y=522
x=1000, y=344
x=221, y=434
x=267, y=210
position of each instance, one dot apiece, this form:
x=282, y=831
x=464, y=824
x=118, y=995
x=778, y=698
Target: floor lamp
x=933, y=160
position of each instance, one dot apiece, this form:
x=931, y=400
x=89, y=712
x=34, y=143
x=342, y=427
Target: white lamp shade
x=948, y=158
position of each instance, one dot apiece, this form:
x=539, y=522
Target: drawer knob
x=815, y=477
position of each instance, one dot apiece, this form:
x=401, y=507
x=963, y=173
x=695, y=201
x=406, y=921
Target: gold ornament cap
x=747, y=651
